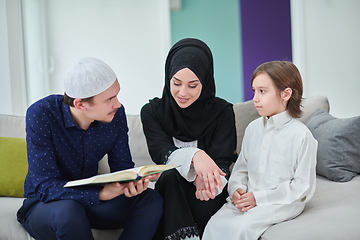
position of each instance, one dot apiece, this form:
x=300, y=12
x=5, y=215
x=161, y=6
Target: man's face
x=104, y=105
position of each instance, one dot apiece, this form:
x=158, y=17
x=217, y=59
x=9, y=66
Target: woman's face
x=185, y=87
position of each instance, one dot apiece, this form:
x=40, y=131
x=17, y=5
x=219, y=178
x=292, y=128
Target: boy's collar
x=278, y=120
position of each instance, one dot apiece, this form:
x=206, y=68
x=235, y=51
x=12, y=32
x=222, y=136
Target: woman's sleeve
x=159, y=142
x=183, y=157
x=222, y=146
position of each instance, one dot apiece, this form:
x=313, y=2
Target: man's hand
x=201, y=193
x=208, y=171
x=243, y=201
x=112, y=190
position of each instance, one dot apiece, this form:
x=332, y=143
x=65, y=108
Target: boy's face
x=104, y=105
x=267, y=98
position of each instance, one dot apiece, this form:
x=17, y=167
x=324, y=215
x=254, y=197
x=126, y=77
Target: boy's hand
x=244, y=201
x=237, y=196
x=201, y=193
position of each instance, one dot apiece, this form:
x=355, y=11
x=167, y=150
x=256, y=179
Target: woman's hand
x=112, y=190
x=201, y=193
x=208, y=171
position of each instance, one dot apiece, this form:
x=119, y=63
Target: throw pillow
x=338, y=156
x=13, y=166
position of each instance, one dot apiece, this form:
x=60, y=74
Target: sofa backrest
x=12, y=126
x=137, y=141
x=245, y=112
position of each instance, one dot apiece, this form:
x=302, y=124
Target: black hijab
x=197, y=120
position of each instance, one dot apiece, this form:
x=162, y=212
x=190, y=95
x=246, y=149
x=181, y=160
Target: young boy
x=274, y=175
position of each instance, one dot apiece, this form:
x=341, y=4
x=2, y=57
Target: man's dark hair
x=70, y=101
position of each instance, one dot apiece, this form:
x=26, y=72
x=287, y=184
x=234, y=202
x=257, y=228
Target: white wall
x=12, y=85
x=35, y=42
x=133, y=37
x=326, y=45
x=136, y=37
x=5, y=87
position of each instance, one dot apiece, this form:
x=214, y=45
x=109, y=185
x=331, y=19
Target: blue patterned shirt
x=59, y=151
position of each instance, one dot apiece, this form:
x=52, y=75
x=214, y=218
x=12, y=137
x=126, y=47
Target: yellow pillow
x=13, y=166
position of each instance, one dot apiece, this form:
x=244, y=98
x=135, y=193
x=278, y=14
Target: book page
x=119, y=176
x=152, y=169
x=129, y=174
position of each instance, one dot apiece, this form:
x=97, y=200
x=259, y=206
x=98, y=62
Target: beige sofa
x=333, y=213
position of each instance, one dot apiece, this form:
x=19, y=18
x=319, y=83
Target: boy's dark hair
x=70, y=101
x=284, y=75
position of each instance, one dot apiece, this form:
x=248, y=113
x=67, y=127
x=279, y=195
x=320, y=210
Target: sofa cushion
x=338, y=156
x=10, y=228
x=310, y=104
x=332, y=214
x=13, y=166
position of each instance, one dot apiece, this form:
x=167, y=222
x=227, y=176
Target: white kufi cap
x=88, y=77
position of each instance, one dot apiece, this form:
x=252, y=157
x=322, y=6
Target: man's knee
x=153, y=202
x=56, y=219
x=69, y=212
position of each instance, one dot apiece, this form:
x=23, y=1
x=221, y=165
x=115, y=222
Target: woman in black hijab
x=191, y=127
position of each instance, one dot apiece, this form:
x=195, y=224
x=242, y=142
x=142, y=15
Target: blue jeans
x=70, y=220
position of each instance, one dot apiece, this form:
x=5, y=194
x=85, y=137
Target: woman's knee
x=170, y=178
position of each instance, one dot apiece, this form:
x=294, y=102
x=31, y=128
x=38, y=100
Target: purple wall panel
x=266, y=35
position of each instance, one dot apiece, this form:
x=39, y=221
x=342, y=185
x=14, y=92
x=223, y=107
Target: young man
x=66, y=138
